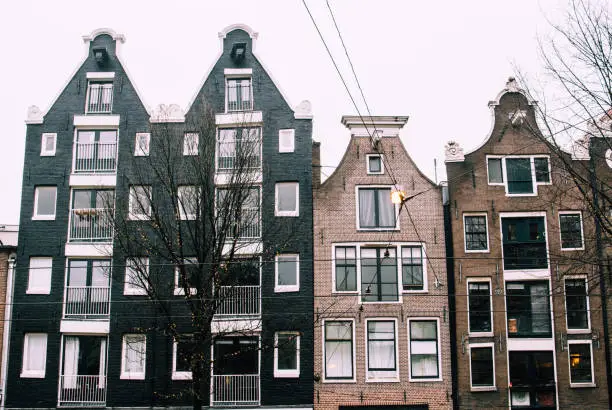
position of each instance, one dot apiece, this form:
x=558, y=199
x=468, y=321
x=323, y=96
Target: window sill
x=480, y=334
x=38, y=291
x=132, y=376
x=578, y=331
x=572, y=249
x=345, y=292
x=379, y=302
x=344, y=381
x=181, y=292
x=359, y=229
x=139, y=217
x=477, y=250
x=281, y=289
x=47, y=154
x=582, y=385
x=286, y=213
x=389, y=380
x=286, y=374
x=43, y=218
x=425, y=380
x=408, y=292
x=135, y=293
x=483, y=389
x=181, y=375
x=32, y=375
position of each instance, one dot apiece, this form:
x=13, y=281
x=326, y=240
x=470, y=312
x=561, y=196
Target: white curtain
x=540, y=317
x=94, y=94
x=102, y=372
x=232, y=95
x=100, y=277
x=366, y=208
x=386, y=209
x=107, y=94
x=338, y=359
x=71, y=362
x=246, y=90
x=423, y=356
x=36, y=354
x=381, y=354
x=134, y=354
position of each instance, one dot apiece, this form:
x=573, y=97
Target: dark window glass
x=374, y=164
x=375, y=208
x=524, y=243
x=580, y=363
x=576, y=304
x=378, y=275
x=518, y=171
x=479, y=306
x=532, y=379
x=571, y=232
x=287, y=351
x=528, y=305
x=495, y=171
x=412, y=267
x=476, y=233
x=236, y=355
x=541, y=169
x=346, y=268
x=481, y=364
x=183, y=356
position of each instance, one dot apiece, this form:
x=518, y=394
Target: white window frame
x=470, y=214
x=400, y=267
x=191, y=144
x=35, y=215
x=439, y=351
x=287, y=373
x=43, y=144
x=132, y=197
x=353, y=348
x=467, y=287
x=287, y=288
x=519, y=274
x=278, y=212
x=382, y=164
x=178, y=375
x=289, y=134
x=357, y=259
x=180, y=191
x=124, y=345
x=534, y=183
x=139, y=149
x=373, y=376
x=588, y=304
x=482, y=388
x=569, y=363
x=178, y=290
x=33, y=374
x=130, y=288
x=395, y=207
x=579, y=213
x=243, y=74
x=37, y=270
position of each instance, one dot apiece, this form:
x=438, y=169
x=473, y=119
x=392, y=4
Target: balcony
x=99, y=98
x=95, y=157
x=525, y=256
x=87, y=302
x=91, y=225
x=239, y=95
x=82, y=391
x=239, y=301
x=235, y=390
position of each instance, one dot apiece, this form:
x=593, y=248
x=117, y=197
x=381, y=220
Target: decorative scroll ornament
x=453, y=152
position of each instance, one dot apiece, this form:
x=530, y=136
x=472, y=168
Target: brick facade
x=335, y=218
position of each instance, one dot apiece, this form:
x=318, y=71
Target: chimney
x=316, y=164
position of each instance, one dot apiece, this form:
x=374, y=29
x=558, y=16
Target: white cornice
x=99, y=31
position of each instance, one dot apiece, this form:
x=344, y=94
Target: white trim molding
x=101, y=75
x=490, y=345
x=287, y=373
x=94, y=121
x=88, y=327
x=242, y=118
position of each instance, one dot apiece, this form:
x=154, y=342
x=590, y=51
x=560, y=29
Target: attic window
x=100, y=54
x=238, y=52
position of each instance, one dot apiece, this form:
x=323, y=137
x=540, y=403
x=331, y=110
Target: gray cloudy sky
x=438, y=62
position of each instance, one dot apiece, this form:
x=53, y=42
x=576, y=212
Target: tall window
x=286, y=140
x=91, y=215
x=100, y=98
x=338, y=348
x=188, y=197
x=34, y=355
x=186, y=276
x=581, y=362
x=570, y=225
x=140, y=202
x=136, y=276
x=96, y=151
x=181, y=357
x=346, y=268
x=476, y=233
x=528, y=306
x=287, y=199
x=576, y=304
x=424, y=355
x=376, y=211
x=239, y=94
x=44, y=202
x=286, y=354
x=412, y=268
x=479, y=307
x=191, y=141
x=524, y=243
x=39, y=276
x=141, y=144
x=287, y=273
x=247, y=222
x=532, y=379
x=382, y=360
x=133, y=357
x=238, y=148
x=379, y=275
x=47, y=144
x=482, y=367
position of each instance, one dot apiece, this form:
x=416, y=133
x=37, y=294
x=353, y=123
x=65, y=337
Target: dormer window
x=239, y=94
x=375, y=164
x=99, y=97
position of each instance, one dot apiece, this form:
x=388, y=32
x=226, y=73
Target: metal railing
x=100, y=98
x=525, y=256
x=82, y=391
x=87, y=301
x=249, y=225
x=239, y=301
x=96, y=157
x=239, y=97
x=91, y=225
x=228, y=158
x=235, y=390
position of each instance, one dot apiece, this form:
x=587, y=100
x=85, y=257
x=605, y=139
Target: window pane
x=374, y=164
x=580, y=363
x=479, y=307
x=287, y=197
x=338, y=350
x=423, y=330
x=385, y=208
x=367, y=216
x=39, y=275
x=412, y=268
x=541, y=169
x=183, y=353
x=495, y=171
x=528, y=309
x=482, y=366
x=571, y=232
x=35, y=353
x=45, y=201
x=378, y=274
x=287, y=270
x=519, y=175
x=576, y=304
x=381, y=345
x=140, y=200
x=134, y=353
x=423, y=349
x=346, y=269
x=476, y=233
x=287, y=351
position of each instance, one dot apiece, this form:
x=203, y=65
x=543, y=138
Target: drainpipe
x=8, y=312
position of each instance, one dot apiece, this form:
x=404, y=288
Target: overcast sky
x=439, y=62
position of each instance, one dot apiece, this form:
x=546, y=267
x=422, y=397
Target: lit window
x=581, y=363
x=287, y=199
x=482, y=367
x=375, y=164
x=136, y=276
x=39, y=276
x=141, y=144
x=382, y=354
x=188, y=202
x=286, y=354
x=44, y=202
x=532, y=377
x=476, y=239
x=424, y=356
x=479, y=306
x=338, y=350
x=376, y=211
x=140, y=202
x=47, y=144
x=346, y=269
x=286, y=140
x=34, y=355
x=133, y=357
x=570, y=225
x=287, y=273
x=576, y=304
x=412, y=268
x=190, y=143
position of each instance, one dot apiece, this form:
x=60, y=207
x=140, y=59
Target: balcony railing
x=239, y=97
x=525, y=256
x=228, y=161
x=235, y=390
x=95, y=158
x=91, y=302
x=82, y=391
x=239, y=301
x=91, y=225
x=100, y=100
x=248, y=227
